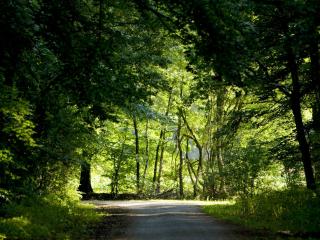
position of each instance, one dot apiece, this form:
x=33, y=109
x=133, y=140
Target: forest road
x=168, y=220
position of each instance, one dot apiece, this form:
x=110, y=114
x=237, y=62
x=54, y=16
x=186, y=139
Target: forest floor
x=164, y=219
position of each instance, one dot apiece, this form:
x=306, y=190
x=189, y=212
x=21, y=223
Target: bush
x=294, y=210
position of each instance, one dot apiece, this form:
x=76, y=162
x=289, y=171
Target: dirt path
x=167, y=220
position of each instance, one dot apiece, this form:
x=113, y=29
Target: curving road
x=170, y=220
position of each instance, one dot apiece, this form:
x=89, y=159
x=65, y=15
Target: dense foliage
x=290, y=213
x=185, y=99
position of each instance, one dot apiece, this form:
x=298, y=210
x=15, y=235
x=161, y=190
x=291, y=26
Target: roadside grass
x=295, y=212
x=47, y=219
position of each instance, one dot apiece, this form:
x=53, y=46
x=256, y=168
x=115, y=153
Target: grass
x=293, y=211
x=47, y=219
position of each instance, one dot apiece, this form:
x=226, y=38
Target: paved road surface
x=171, y=220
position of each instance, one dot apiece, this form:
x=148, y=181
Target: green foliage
x=16, y=140
x=17, y=112
x=64, y=68
x=201, y=96
x=244, y=165
x=294, y=210
x=48, y=218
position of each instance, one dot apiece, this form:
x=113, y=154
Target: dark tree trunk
x=160, y=166
x=146, y=155
x=220, y=159
x=117, y=163
x=179, y=141
x=296, y=110
x=136, y=134
x=115, y=177
x=85, y=179
x=190, y=169
x=209, y=183
x=220, y=105
x=199, y=169
x=315, y=75
x=155, y=169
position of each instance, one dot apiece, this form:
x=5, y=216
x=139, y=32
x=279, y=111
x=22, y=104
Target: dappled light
x=211, y=105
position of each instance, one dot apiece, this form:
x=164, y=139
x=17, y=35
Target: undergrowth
x=293, y=211
x=46, y=218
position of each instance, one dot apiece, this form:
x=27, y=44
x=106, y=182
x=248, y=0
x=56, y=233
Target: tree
x=250, y=37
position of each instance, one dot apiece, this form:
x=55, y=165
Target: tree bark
x=155, y=169
x=179, y=141
x=117, y=162
x=295, y=100
x=160, y=166
x=222, y=186
x=136, y=134
x=115, y=177
x=315, y=75
x=85, y=179
x=219, y=142
x=146, y=154
x=190, y=169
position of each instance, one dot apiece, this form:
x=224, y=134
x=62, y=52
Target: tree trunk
x=160, y=166
x=146, y=155
x=199, y=169
x=117, y=162
x=155, y=180
x=136, y=134
x=85, y=179
x=155, y=169
x=195, y=139
x=179, y=140
x=222, y=187
x=115, y=177
x=210, y=149
x=315, y=75
x=221, y=92
x=190, y=169
x=296, y=110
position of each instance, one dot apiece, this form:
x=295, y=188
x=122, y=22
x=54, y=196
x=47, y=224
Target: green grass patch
x=296, y=211
x=47, y=219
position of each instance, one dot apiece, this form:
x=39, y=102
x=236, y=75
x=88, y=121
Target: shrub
x=294, y=210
